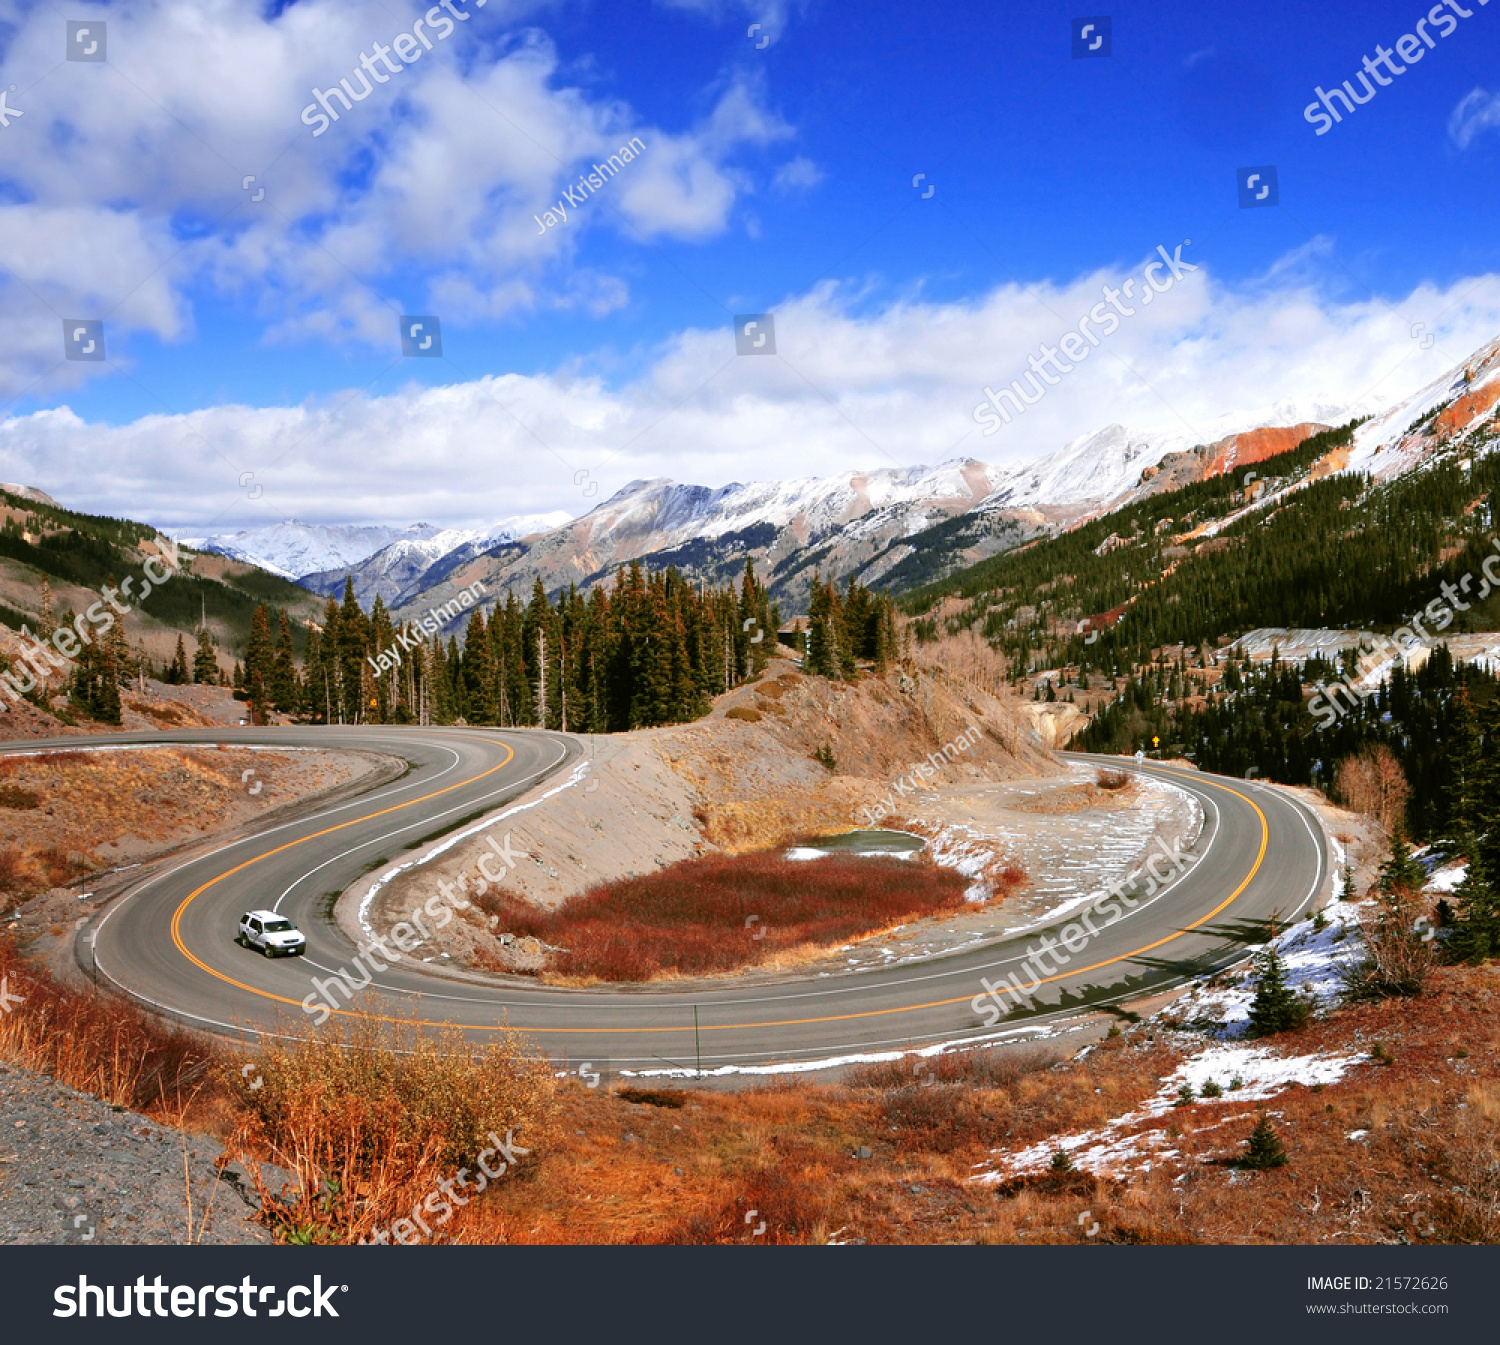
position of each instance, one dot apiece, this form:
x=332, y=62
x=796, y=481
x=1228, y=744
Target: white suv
x=271, y=933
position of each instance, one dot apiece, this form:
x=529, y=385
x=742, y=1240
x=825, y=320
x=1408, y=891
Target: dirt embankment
x=156, y=705
x=71, y=815
x=779, y=759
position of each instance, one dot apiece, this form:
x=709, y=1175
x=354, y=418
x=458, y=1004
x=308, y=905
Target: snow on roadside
x=1244, y=1071
x=1071, y=866
x=1314, y=959
x=1118, y=1148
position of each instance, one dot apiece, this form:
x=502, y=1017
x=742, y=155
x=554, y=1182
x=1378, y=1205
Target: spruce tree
x=1475, y=929
x=352, y=647
x=1275, y=1008
x=1265, y=1150
x=1464, y=768
x=285, y=695
x=381, y=635
x=177, y=673
x=259, y=666
x=109, y=691
x=46, y=621
x=205, y=661
x=820, y=658
x=1401, y=872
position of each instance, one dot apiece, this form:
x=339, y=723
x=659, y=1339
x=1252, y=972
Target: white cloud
x=856, y=385
x=797, y=175
x=425, y=188
x=1477, y=112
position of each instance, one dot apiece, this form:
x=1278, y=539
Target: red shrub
x=712, y=915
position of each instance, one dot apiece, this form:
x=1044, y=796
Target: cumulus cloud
x=857, y=383
x=183, y=165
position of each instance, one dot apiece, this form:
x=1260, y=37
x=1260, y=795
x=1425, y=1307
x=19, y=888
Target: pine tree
x=328, y=675
x=1401, y=872
x=285, y=695
x=205, y=661
x=476, y=703
x=106, y=707
x=350, y=652
x=177, y=672
x=1475, y=922
x=312, y=664
x=381, y=636
x=1275, y=1008
x=1464, y=768
x=259, y=666
x=822, y=645
x=1265, y=1150
x=46, y=621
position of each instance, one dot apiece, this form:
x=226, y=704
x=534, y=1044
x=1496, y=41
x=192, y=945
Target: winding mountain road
x=169, y=941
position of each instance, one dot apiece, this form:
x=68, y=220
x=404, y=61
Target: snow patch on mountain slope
x=293, y=549
x=1385, y=446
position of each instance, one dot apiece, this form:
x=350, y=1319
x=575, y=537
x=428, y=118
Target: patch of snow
x=1314, y=959
x=1112, y=1149
x=1446, y=879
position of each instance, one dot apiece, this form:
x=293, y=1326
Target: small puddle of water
x=862, y=844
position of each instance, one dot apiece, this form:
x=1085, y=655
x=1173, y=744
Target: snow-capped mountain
x=295, y=550
x=1103, y=468
x=854, y=523
x=788, y=527
x=1446, y=413
x=894, y=526
x=411, y=563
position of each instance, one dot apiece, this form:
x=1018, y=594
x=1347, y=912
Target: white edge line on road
x=579, y=771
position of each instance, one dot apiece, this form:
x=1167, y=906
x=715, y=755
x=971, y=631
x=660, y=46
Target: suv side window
x=255, y=926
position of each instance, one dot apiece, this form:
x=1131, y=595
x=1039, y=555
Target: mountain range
x=895, y=527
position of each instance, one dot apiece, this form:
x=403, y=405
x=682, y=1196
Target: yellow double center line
x=1265, y=836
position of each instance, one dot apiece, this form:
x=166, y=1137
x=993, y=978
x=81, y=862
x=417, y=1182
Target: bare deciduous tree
x=1374, y=784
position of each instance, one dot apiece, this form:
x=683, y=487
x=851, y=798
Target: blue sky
x=778, y=178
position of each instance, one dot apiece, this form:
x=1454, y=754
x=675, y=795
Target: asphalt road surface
x=170, y=941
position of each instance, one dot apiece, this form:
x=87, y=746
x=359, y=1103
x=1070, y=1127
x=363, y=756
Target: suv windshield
x=278, y=926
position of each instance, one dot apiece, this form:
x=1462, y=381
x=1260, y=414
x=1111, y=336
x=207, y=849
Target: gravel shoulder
x=75, y=1170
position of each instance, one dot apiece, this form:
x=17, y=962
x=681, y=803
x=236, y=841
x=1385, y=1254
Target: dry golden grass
x=745, y=824
x=98, y=1044
x=369, y=1120
x=1428, y=1170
